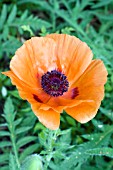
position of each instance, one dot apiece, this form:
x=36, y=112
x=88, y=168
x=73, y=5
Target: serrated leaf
x=41, y=3
x=102, y=3
x=22, y=129
x=12, y=15
x=4, y=157
x=99, y=140
x=25, y=140
x=101, y=152
x=4, y=168
x=70, y=120
x=31, y=21
x=3, y=125
x=5, y=32
x=4, y=133
x=11, y=45
x=24, y=15
x=90, y=136
x=3, y=16
x=15, y=93
x=108, y=113
x=9, y=110
x=5, y=144
x=18, y=121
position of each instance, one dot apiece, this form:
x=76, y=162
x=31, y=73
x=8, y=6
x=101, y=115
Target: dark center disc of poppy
x=54, y=83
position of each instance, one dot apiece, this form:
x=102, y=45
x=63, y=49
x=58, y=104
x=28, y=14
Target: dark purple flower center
x=54, y=83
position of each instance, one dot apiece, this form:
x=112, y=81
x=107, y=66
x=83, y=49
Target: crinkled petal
x=91, y=83
x=49, y=118
x=91, y=87
x=34, y=58
x=32, y=95
x=45, y=54
x=74, y=55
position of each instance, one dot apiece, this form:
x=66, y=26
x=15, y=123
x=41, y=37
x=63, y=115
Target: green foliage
x=12, y=162
x=13, y=138
x=81, y=153
x=73, y=146
x=11, y=25
x=101, y=152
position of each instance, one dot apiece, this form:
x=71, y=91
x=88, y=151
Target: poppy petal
x=34, y=58
x=91, y=83
x=74, y=55
x=83, y=112
x=91, y=87
x=21, y=66
x=25, y=91
x=60, y=105
x=45, y=54
x=49, y=118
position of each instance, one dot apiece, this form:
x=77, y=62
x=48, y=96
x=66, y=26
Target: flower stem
x=15, y=150
x=13, y=140
x=51, y=140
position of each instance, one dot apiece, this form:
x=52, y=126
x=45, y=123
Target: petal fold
x=49, y=118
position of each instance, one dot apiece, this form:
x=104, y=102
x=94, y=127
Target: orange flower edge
x=56, y=73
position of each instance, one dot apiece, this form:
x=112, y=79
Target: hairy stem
x=13, y=140
x=51, y=140
x=15, y=150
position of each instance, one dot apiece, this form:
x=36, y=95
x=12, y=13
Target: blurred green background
x=74, y=146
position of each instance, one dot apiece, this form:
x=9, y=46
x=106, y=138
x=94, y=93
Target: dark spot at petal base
x=75, y=93
x=37, y=98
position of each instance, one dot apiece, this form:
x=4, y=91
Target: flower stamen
x=54, y=83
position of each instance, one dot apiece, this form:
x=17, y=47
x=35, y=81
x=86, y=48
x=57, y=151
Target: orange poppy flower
x=56, y=73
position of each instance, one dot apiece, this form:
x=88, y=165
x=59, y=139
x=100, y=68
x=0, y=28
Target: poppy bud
x=32, y=162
